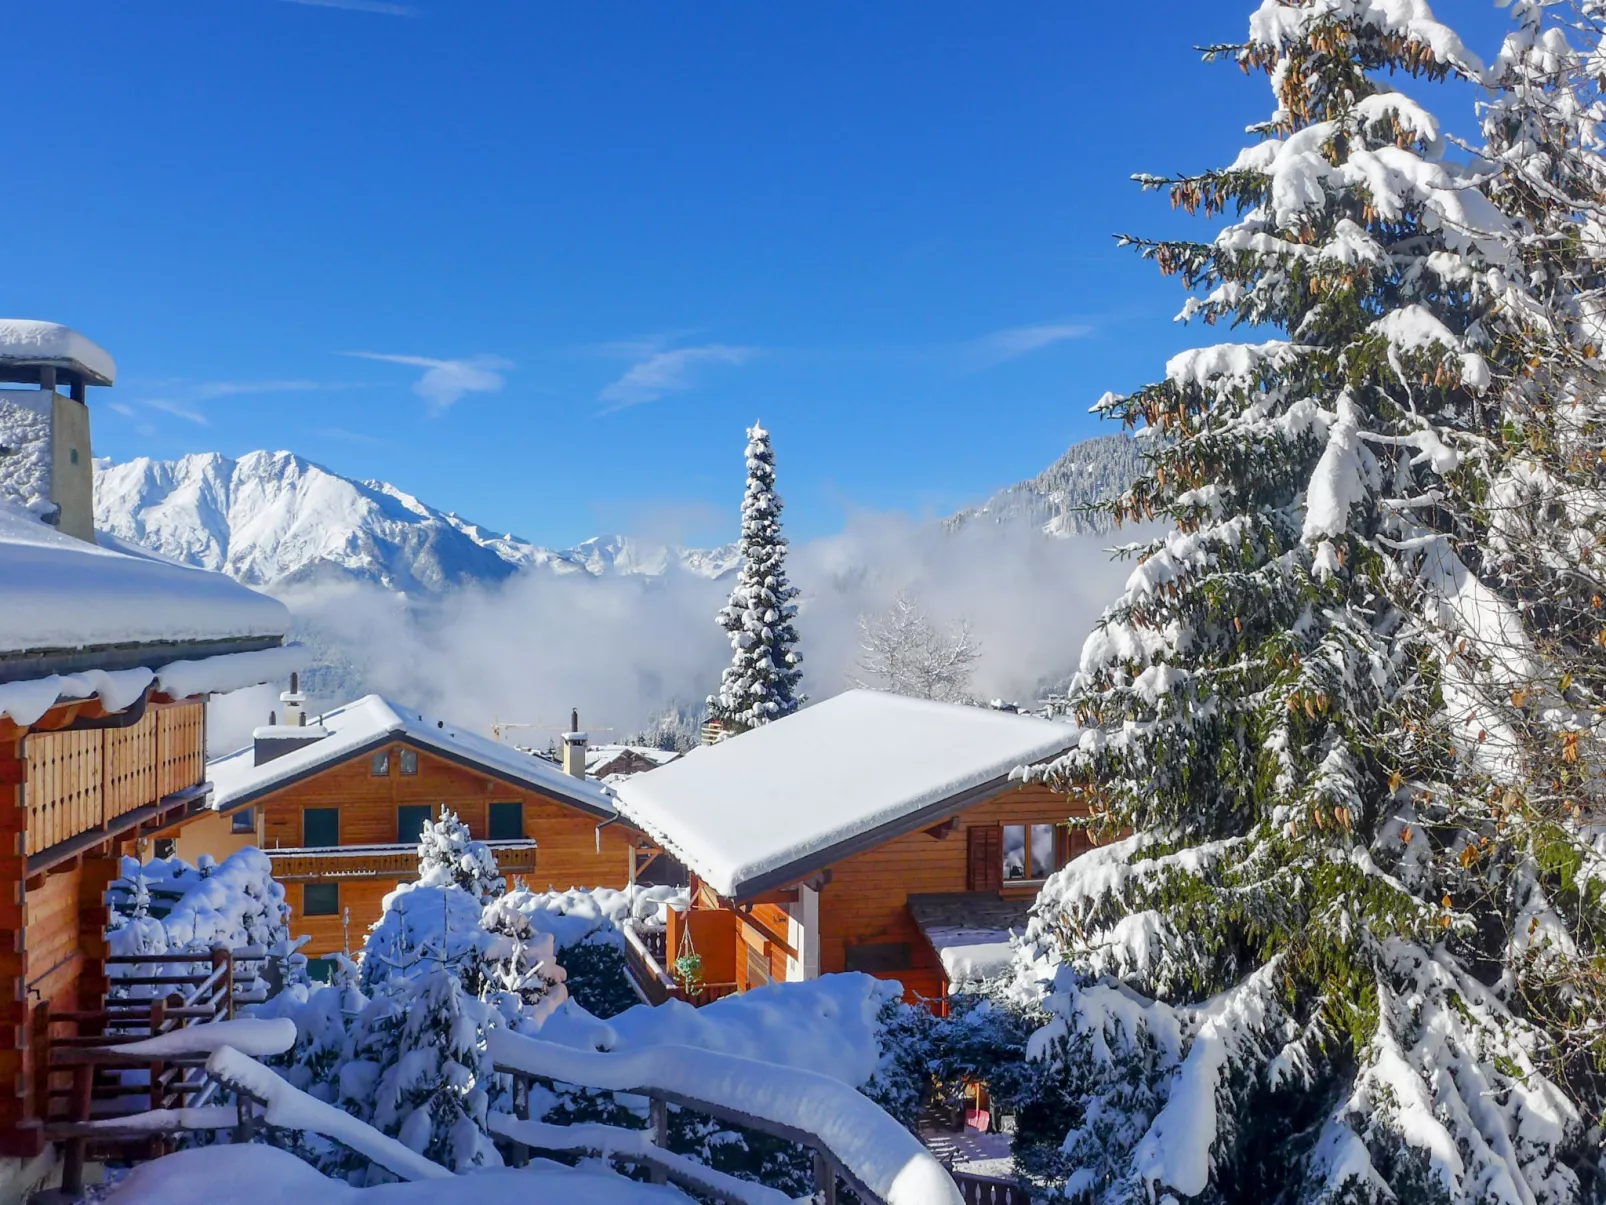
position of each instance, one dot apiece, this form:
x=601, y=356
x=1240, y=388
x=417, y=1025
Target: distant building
x=869, y=832
x=337, y=802
x=614, y=763
x=106, y=661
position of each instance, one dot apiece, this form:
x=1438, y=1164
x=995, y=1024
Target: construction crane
x=545, y=725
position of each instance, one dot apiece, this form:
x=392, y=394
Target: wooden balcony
x=393, y=861
x=87, y=786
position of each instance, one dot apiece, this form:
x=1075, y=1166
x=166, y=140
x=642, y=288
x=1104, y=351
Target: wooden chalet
x=337, y=802
x=106, y=660
x=869, y=832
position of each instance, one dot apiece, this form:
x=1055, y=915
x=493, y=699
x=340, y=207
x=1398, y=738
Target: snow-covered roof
x=764, y=808
x=77, y=621
x=373, y=721
x=602, y=755
x=970, y=931
x=27, y=344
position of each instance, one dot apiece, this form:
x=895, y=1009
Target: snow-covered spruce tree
x=1293, y=983
x=1531, y=665
x=761, y=681
x=447, y=854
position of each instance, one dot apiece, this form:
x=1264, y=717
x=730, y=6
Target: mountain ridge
x=277, y=520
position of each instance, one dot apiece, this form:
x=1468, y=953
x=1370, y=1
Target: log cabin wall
x=865, y=905
x=566, y=837
x=75, y=801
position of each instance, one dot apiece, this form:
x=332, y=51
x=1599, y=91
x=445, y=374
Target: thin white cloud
x=667, y=372
x=381, y=7
x=1018, y=341
x=125, y=410
x=208, y=391
x=176, y=410
x=446, y=381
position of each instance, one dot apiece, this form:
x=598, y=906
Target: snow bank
x=263, y=1175
x=854, y=763
x=576, y=916
x=869, y=1144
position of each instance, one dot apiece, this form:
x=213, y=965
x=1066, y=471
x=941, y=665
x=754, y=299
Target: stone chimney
x=574, y=747
x=276, y=739
x=46, y=464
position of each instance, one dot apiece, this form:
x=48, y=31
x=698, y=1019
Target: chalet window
x=244, y=820
x=507, y=822
x=320, y=970
x=410, y=822
x=320, y=826
x=320, y=899
x=409, y=761
x=1028, y=852
x=379, y=767
x=879, y=959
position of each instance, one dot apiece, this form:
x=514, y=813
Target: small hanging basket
x=688, y=968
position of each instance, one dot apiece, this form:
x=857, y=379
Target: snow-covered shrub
x=448, y=855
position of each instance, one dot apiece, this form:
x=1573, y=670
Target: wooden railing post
x=521, y=1110
x=223, y=959
x=658, y=1121
x=72, y=1162
x=824, y=1179
x=157, y=1024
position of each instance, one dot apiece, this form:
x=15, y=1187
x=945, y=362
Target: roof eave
x=29, y=664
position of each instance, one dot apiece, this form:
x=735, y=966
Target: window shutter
x=986, y=852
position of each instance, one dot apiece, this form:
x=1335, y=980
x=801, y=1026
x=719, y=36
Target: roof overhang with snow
x=776, y=804
x=373, y=723
x=28, y=346
x=80, y=622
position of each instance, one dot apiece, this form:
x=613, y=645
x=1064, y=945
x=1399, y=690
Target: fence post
x=658, y=1122
x=72, y=1164
x=824, y=1179
x=246, y=1125
x=223, y=959
x=521, y=1110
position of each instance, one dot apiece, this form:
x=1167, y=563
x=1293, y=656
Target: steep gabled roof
x=371, y=722
x=769, y=806
x=78, y=621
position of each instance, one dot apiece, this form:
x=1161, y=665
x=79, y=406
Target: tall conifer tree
x=1295, y=982
x=761, y=682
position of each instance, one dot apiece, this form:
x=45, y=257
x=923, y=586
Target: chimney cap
x=27, y=347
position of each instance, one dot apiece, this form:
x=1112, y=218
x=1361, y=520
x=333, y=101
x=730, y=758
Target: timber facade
x=342, y=831
x=862, y=912
x=79, y=790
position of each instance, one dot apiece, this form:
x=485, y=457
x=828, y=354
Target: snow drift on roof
x=27, y=341
x=370, y=720
x=59, y=593
x=790, y=791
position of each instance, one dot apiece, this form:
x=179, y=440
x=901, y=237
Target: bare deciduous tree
x=904, y=651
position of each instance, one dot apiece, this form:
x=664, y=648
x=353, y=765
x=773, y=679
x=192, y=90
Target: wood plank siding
x=864, y=917
x=567, y=839
x=72, y=803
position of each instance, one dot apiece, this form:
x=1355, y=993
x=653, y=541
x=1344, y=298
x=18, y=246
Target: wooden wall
x=211, y=833
x=567, y=854
x=866, y=901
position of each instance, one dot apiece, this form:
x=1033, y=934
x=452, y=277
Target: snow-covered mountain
x=1090, y=472
x=275, y=519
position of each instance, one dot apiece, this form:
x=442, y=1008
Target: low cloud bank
x=622, y=648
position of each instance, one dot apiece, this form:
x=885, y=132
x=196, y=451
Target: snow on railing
x=879, y=1159
x=635, y=1146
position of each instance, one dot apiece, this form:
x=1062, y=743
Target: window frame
x=403, y=756
x=379, y=764
x=491, y=812
x=1034, y=874
x=428, y=818
x=306, y=910
x=306, y=842
x=243, y=821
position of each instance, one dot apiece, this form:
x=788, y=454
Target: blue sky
x=542, y=262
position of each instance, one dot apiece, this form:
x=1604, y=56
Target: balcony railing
x=393, y=860
x=101, y=781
